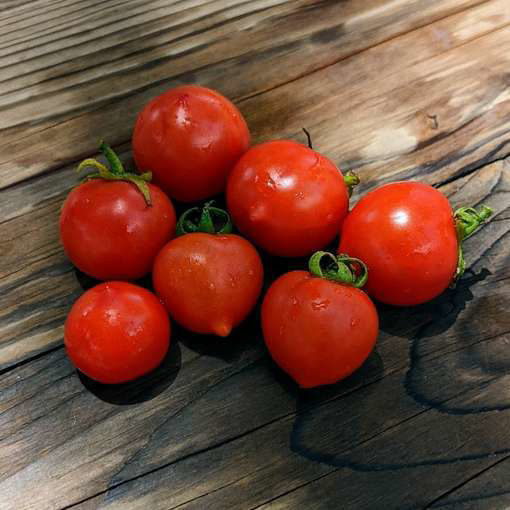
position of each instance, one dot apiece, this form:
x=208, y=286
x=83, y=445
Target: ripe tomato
x=190, y=138
x=208, y=282
x=116, y=332
x=407, y=235
x=107, y=228
x=287, y=198
x=318, y=330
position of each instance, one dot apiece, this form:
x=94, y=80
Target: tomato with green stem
x=287, y=198
x=318, y=325
x=410, y=239
x=117, y=332
x=208, y=278
x=113, y=225
x=190, y=138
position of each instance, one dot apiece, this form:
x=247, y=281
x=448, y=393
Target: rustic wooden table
x=395, y=89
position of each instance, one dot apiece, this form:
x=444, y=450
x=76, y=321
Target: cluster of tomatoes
x=402, y=240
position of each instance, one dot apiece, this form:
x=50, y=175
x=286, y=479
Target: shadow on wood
x=141, y=389
x=228, y=349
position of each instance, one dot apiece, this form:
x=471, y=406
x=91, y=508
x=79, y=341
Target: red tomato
x=109, y=232
x=190, y=138
x=288, y=199
x=116, y=332
x=405, y=233
x=208, y=282
x=316, y=330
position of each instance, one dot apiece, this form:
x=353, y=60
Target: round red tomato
x=110, y=232
x=116, y=332
x=190, y=138
x=208, y=282
x=287, y=198
x=406, y=234
x=318, y=331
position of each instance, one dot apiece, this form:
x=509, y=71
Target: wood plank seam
x=460, y=485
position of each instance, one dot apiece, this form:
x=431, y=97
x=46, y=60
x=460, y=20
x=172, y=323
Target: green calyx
x=340, y=268
x=467, y=220
x=116, y=172
x=351, y=181
x=208, y=219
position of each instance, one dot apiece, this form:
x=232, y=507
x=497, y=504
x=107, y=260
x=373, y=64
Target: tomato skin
x=290, y=200
x=116, y=332
x=405, y=233
x=208, y=282
x=190, y=138
x=316, y=330
x=110, y=233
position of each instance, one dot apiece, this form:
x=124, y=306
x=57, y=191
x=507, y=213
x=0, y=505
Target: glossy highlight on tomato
x=190, y=138
x=116, y=332
x=209, y=282
x=317, y=330
x=288, y=199
x=113, y=225
x=405, y=232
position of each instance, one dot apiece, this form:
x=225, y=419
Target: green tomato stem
x=208, y=219
x=351, y=181
x=116, y=172
x=340, y=268
x=116, y=166
x=468, y=221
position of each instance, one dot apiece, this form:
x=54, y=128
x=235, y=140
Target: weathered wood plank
x=110, y=72
x=31, y=265
x=488, y=491
x=435, y=109
x=222, y=432
x=14, y=8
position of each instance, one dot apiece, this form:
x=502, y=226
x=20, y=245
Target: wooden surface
x=396, y=89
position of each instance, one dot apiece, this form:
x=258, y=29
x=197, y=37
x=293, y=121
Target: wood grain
x=38, y=283
x=394, y=89
x=88, y=78
x=234, y=433
x=15, y=8
x=435, y=110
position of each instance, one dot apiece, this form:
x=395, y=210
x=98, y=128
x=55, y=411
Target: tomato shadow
x=331, y=418
x=86, y=282
x=434, y=380
x=142, y=389
x=246, y=336
x=472, y=377
x=434, y=317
